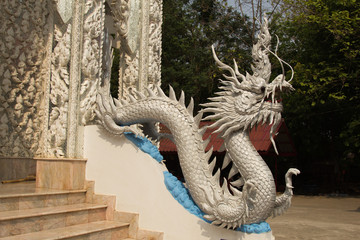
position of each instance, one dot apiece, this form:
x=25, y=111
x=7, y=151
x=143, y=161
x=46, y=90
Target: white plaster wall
x=119, y=168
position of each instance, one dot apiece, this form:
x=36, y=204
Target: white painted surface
x=119, y=168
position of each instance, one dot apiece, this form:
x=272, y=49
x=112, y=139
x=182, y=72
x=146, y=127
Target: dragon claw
x=288, y=180
x=292, y=171
x=249, y=191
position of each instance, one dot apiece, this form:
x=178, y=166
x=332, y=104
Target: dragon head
x=247, y=101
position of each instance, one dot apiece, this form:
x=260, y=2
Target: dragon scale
x=242, y=103
x=187, y=137
x=254, y=170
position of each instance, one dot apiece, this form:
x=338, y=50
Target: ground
x=319, y=218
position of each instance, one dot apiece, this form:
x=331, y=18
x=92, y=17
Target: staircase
x=27, y=213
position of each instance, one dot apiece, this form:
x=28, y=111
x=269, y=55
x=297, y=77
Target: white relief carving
x=64, y=9
x=91, y=58
x=59, y=90
x=141, y=68
x=144, y=46
x=128, y=74
x=120, y=10
x=129, y=52
x=23, y=34
x=108, y=59
x=155, y=21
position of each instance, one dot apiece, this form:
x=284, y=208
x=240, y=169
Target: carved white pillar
x=25, y=39
x=73, y=145
x=41, y=151
x=144, y=47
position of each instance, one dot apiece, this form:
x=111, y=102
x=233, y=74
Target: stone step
x=108, y=230
x=39, y=219
x=26, y=196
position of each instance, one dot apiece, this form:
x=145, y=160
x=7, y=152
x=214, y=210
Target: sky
x=231, y=2
x=247, y=7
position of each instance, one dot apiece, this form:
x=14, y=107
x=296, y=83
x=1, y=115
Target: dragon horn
x=222, y=65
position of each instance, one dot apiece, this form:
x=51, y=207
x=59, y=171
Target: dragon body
x=242, y=104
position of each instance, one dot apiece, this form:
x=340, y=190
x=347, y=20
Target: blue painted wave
x=145, y=145
x=181, y=194
x=261, y=227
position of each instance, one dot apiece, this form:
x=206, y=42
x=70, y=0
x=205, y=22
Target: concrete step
x=39, y=219
x=108, y=230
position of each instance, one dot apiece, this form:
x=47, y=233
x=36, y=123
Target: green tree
x=322, y=38
x=190, y=27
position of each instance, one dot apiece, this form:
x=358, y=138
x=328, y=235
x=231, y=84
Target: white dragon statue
x=245, y=102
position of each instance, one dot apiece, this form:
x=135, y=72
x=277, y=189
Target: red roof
x=260, y=137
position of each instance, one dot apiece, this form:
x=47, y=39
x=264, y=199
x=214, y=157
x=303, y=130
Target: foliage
x=190, y=27
x=322, y=37
x=114, y=80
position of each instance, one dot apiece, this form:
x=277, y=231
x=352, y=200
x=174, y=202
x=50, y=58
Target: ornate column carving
x=76, y=74
x=25, y=35
x=92, y=58
x=72, y=146
x=58, y=99
x=154, y=48
x=139, y=27
x=144, y=46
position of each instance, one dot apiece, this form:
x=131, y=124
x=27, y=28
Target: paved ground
x=319, y=218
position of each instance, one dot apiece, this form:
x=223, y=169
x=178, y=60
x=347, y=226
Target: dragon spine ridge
x=240, y=106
